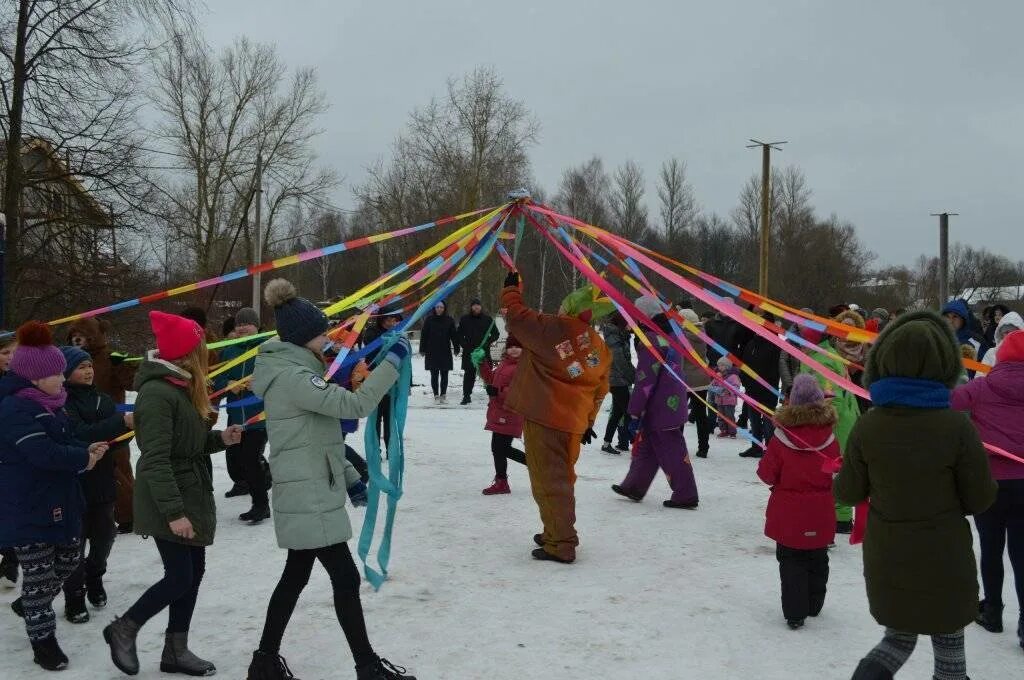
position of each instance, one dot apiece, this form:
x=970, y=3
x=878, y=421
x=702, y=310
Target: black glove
x=512, y=280
x=492, y=391
x=588, y=436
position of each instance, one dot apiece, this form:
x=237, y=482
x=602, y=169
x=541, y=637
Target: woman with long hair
x=174, y=490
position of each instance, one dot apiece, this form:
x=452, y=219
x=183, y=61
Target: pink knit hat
x=176, y=336
x=36, y=356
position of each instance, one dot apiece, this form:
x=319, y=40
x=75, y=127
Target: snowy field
x=655, y=594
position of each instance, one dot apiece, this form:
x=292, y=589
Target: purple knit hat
x=36, y=356
x=806, y=390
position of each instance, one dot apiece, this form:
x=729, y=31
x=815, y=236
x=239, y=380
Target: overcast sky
x=893, y=110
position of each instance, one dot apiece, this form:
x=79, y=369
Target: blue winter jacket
x=41, y=498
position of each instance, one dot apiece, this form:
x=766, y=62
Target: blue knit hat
x=298, y=320
x=73, y=356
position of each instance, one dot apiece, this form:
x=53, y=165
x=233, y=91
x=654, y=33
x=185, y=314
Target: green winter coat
x=307, y=453
x=173, y=477
x=844, y=402
x=923, y=470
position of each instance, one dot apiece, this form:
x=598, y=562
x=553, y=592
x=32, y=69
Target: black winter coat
x=726, y=333
x=437, y=342
x=763, y=357
x=94, y=418
x=472, y=329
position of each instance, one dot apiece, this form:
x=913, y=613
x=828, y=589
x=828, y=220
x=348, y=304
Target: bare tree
x=629, y=214
x=678, y=208
x=219, y=113
x=68, y=77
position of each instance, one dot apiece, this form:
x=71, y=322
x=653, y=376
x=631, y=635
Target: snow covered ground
x=657, y=594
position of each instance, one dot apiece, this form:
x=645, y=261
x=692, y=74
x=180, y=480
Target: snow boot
x=636, y=498
x=444, y=399
x=608, y=448
x=255, y=515
x=544, y=556
x=75, y=610
x=795, y=624
x=96, y=593
x=8, y=573
x=382, y=669
x=539, y=539
x=124, y=528
x=990, y=616
x=500, y=486
x=1020, y=631
x=466, y=401
x=239, y=489
x=845, y=528
x=622, y=446
x=18, y=608
x=48, y=654
x=688, y=505
x=120, y=636
x=702, y=451
x=869, y=669
x=177, y=658
x=269, y=667
x=752, y=452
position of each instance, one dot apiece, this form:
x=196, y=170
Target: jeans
x=184, y=566
x=98, y=532
x=344, y=575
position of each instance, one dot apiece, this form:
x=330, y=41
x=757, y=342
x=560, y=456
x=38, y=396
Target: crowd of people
x=910, y=459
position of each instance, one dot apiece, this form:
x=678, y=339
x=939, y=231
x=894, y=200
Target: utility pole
x=944, y=255
x=258, y=277
x=766, y=209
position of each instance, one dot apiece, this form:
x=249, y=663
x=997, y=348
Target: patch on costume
x=58, y=514
x=564, y=349
x=673, y=402
x=318, y=382
x=640, y=375
x=575, y=370
x=583, y=341
x=593, y=360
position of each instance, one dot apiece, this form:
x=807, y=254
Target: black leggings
x=340, y=566
x=503, y=452
x=620, y=402
x=439, y=376
x=184, y=566
x=1000, y=526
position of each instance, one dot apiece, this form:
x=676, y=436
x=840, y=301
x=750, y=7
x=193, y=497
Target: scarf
x=912, y=392
x=51, y=402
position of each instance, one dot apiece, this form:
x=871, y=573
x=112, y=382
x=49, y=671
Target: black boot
x=49, y=655
x=465, y=401
x=256, y=514
x=545, y=556
x=239, y=489
x=537, y=538
x=8, y=572
x=795, y=624
x=636, y=498
x=752, y=452
x=96, y=593
x=990, y=616
x=177, y=658
x=120, y=636
x=869, y=669
x=124, y=528
x=75, y=610
x=1020, y=631
x=382, y=669
x=702, y=450
x=269, y=667
x=18, y=608
x=844, y=527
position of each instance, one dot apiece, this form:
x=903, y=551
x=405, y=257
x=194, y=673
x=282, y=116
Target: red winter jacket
x=499, y=418
x=801, y=510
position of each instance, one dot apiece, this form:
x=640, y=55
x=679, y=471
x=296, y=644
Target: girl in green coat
x=922, y=467
x=311, y=476
x=173, y=500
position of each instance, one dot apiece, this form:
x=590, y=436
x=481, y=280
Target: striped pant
x=897, y=646
x=44, y=567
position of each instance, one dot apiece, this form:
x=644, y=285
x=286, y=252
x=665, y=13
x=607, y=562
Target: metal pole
x=943, y=256
x=766, y=217
x=258, y=277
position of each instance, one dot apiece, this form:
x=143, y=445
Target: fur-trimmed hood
x=806, y=414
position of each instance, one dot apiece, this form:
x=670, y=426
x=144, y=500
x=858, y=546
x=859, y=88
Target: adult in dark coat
x=438, y=341
x=921, y=467
x=762, y=356
x=473, y=328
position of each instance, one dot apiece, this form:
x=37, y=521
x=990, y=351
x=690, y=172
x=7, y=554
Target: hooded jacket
x=801, y=509
x=623, y=373
x=94, y=418
x=40, y=497
x=438, y=340
x=967, y=334
x=658, y=398
x=307, y=453
x=1009, y=323
x=922, y=470
x=500, y=418
x=471, y=334
x=173, y=476
x=996, y=405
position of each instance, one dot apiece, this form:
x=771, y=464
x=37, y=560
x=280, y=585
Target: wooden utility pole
x=257, y=278
x=766, y=209
x=944, y=255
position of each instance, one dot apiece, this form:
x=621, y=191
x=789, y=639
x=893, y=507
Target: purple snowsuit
x=659, y=400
